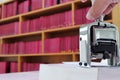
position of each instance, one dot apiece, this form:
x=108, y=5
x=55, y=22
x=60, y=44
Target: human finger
x=109, y=8
x=97, y=9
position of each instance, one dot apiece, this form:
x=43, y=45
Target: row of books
x=54, y=2
x=11, y=67
x=30, y=66
x=51, y=45
x=23, y=6
x=60, y=44
x=80, y=16
x=22, y=47
x=9, y=28
x=47, y=22
x=10, y=9
x=36, y=4
x=7, y=67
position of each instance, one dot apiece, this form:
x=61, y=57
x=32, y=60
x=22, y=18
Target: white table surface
x=32, y=75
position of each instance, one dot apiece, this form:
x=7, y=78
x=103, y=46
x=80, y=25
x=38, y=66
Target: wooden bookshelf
x=44, y=34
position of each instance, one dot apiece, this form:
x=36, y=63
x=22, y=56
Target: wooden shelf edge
x=46, y=54
x=40, y=32
x=47, y=9
x=63, y=28
x=12, y=55
x=9, y=18
x=41, y=54
x=21, y=35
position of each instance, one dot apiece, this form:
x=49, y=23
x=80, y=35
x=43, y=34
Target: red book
x=42, y=22
x=35, y=47
x=26, y=48
x=7, y=48
x=16, y=27
x=47, y=3
x=39, y=46
x=13, y=67
x=4, y=10
x=38, y=26
x=11, y=9
x=26, y=5
x=14, y=7
x=10, y=48
x=54, y=45
x=3, y=67
x=28, y=25
x=36, y=66
x=62, y=43
x=31, y=25
x=7, y=11
x=4, y=48
x=69, y=18
x=29, y=47
x=47, y=45
x=63, y=19
x=68, y=43
x=15, y=47
x=32, y=47
x=36, y=4
x=75, y=44
x=34, y=25
x=51, y=21
x=24, y=66
x=60, y=19
x=20, y=7
x=25, y=26
x=28, y=66
x=21, y=47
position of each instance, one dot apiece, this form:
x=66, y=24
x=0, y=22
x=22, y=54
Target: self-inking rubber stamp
x=99, y=40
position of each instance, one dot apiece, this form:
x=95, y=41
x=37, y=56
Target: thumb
x=97, y=9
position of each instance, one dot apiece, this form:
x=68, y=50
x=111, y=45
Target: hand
x=100, y=7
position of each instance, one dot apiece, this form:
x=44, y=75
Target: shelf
x=62, y=29
x=47, y=57
x=40, y=32
x=10, y=19
x=49, y=10
x=41, y=54
x=22, y=35
x=6, y=55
